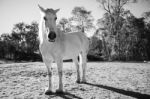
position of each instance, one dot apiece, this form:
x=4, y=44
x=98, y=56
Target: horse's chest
x=50, y=51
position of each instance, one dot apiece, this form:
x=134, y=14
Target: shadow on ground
x=121, y=91
x=65, y=95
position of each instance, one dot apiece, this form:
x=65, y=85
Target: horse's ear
x=57, y=10
x=41, y=8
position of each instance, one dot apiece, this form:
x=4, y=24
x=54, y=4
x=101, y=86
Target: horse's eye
x=45, y=18
x=55, y=18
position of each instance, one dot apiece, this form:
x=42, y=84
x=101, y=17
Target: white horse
x=58, y=46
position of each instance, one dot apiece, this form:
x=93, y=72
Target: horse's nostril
x=52, y=35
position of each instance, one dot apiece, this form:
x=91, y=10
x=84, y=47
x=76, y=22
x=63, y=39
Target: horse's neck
x=60, y=35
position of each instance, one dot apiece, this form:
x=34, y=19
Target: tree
x=113, y=21
x=18, y=39
x=105, y=49
x=31, y=37
x=146, y=16
x=82, y=18
x=6, y=48
x=22, y=43
x=65, y=25
x=135, y=34
x=95, y=48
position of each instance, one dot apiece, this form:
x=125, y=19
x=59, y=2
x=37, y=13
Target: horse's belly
x=71, y=53
x=72, y=48
x=69, y=56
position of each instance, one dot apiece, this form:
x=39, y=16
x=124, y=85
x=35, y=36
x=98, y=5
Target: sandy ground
x=105, y=80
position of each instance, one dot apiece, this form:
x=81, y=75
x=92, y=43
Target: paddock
x=105, y=80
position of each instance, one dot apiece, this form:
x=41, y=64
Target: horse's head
x=49, y=17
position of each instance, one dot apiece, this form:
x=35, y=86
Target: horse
x=56, y=46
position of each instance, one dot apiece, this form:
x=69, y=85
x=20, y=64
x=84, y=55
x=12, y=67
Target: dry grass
x=105, y=80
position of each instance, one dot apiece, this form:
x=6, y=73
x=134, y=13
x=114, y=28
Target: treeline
x=118, y=35
x=21, y=44
x=124, y=36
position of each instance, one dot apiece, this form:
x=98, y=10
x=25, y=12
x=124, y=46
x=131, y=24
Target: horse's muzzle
x=52, y=36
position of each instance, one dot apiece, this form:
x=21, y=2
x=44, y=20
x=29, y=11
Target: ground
x=105, y=80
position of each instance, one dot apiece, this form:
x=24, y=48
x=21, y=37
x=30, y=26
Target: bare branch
x=108, y=5
x=103, y=4
x=123, y=3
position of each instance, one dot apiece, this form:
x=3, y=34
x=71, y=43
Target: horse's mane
x=41, y=30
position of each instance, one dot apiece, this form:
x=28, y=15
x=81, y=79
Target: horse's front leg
x=48, y=64
x=60, y=73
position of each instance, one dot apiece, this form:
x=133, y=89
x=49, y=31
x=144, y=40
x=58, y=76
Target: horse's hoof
x=59, y=91
x=48, y=92
x=83, y=82
x=78, y=81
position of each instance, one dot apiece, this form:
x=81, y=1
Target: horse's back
x=78, y=37
x=75, y=43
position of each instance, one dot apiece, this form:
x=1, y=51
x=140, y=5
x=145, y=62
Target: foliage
x=82, y=18
x=95, y=49
x=65, y=25
x=22, y=43
x=123, y=34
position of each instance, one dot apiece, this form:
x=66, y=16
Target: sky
x=14, y=11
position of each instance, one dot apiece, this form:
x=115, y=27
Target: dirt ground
x=105, y=80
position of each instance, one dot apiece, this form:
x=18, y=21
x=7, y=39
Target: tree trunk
x=106, y=48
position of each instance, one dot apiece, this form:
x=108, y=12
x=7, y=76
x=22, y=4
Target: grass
x=105, y=80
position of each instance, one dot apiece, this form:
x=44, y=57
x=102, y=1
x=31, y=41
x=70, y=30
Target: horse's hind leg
x=75, y=60
x=48, y=64
x=60, y=73
x=84, y=66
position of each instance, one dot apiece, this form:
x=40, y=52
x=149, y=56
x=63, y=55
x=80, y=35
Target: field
x=105, y=80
